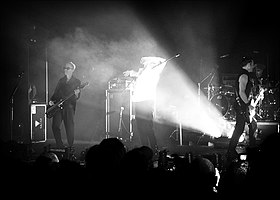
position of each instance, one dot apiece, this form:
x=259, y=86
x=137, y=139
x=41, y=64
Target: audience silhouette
x=108, y=165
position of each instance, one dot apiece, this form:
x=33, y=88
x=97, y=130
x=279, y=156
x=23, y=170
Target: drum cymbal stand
x=209, y=93
x=209, y=88
x=12, y=104
x=177, y=134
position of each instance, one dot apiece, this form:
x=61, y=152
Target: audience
x=109, y=166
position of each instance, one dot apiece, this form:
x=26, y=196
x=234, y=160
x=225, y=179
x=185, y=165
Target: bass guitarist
x=244, y=107
x=66, y=85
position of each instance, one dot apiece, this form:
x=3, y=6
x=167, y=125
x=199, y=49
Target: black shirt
x=65, y=89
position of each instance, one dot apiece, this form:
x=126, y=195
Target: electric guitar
x=52, y=110
x=251, y=112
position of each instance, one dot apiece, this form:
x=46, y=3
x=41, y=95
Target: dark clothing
x=241, y=109
x=144, y=121
x=249, y=85
x=64, y=90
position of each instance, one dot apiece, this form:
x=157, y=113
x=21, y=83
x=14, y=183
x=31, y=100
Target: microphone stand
x=120, y=120
x=12, y=105
x=208, y=86
x=208, y=94
x=177, y=55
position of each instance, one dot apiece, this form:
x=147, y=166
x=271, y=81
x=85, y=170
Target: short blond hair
x=71, y=63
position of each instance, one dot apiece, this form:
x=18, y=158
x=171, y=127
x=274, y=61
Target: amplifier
x=120, y=83
x=119, y=113
x=267, y=128
x=38, y=123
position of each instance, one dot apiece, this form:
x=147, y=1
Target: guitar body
x=249, y=114
x=52, y=110
x=250, y=111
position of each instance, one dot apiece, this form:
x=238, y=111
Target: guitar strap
x=237, y=98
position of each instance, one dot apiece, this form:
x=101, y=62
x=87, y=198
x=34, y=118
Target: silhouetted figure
x=202, y=179
x=234, y=181
x=103, y=161
x=137, y=162
x=264, y=173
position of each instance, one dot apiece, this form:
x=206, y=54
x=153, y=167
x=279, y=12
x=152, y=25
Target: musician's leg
x=151, y=134
x=143, y=116
x=56, y=123
x=239, y=128
x=252, y=129
x=69, y=125
x=142, y=129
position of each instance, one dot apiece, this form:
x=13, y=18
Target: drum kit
x=223, y=98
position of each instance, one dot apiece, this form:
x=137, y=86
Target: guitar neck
x=67, y=98
x=73, y=93
x=258, y=98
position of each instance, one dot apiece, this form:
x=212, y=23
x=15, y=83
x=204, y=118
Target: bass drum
x=221, y=103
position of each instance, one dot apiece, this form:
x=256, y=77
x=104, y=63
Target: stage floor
x=195, y=145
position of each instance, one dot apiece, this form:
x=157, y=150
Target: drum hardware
x=267, y=109
x=221, y=103
x=225, y=105
x=209, y=87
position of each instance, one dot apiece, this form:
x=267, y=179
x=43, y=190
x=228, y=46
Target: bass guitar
x=51, y=110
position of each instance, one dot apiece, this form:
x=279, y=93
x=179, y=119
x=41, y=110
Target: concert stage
x=193, y=144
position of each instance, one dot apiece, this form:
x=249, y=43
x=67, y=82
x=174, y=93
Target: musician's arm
x=77, y=92
x=133, y=73
x=243, y=80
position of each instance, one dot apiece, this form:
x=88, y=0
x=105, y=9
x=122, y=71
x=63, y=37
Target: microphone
x=165, y=61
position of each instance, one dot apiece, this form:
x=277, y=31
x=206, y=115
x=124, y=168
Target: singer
x=143, y=97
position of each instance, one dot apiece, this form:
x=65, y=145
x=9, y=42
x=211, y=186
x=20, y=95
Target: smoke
x=97, y=59
x=112, y=44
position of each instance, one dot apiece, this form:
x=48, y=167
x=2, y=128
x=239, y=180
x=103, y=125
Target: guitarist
x=65, y=87
x=242, y=106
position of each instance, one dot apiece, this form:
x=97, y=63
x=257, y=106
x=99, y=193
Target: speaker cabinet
x=267, y=128
x=119, y=113
x=38, y=123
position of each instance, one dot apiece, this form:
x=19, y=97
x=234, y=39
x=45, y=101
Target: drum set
x=223, y=98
